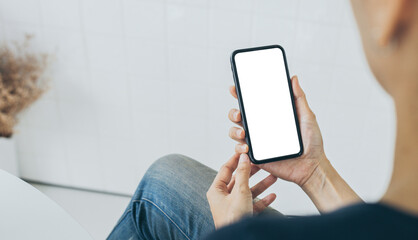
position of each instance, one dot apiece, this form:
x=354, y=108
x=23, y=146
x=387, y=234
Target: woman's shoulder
x=374, y=210
x=360, y=221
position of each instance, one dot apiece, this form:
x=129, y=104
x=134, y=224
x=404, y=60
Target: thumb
x=242, y=175
x=303, y=110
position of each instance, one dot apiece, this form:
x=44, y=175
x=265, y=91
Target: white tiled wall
x=136, y=79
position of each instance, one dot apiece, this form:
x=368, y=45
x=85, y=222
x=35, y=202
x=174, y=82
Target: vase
x=8, y=159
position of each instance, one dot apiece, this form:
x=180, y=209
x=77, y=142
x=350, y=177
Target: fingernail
x=243, y=147
x=236, y=115
x=243, y=158
x=239, y=132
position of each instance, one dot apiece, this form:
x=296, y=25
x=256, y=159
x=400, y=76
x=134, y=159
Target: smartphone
x=265, y=98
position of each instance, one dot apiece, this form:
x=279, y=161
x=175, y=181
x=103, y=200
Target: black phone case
x=241, y=106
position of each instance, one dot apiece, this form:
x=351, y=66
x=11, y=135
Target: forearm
x=328, y=190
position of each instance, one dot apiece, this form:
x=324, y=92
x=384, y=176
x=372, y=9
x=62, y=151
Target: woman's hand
x=297, y=170
x=230, y=197
x=312, y=171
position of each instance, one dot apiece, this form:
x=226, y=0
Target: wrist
x=322, y=172
x=327, y=189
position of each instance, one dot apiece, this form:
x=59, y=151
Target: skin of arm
x=327, y=189
x=312, y=171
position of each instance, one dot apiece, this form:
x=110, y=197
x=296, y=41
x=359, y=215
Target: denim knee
x=172, y=163
x=167, y=170
x=177, y=171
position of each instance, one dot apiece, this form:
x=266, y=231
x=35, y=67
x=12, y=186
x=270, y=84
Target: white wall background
x=136, y=79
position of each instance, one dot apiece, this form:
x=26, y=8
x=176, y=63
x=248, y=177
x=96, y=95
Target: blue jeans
x=170, y=202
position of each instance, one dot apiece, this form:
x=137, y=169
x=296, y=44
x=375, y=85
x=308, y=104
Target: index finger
x=233, y=91
x=224, y=175
x=243, y=171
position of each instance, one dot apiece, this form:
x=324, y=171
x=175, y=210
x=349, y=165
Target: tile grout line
x=31, y=181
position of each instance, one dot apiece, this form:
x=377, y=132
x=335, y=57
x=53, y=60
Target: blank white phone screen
x=267, y=103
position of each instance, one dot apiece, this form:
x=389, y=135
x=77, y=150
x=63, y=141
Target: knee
x=167, y=173
x=171, y=166
x=171, y=162
x=176, y=176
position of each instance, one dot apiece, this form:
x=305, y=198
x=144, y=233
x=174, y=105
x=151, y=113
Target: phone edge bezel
x=241, y=105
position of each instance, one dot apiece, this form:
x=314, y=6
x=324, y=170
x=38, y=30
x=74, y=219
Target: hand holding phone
x=298, y=169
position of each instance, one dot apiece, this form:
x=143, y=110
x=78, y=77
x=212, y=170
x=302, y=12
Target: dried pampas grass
x=21, y=82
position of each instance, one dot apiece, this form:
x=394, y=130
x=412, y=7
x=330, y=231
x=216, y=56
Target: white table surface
x=26, y=213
